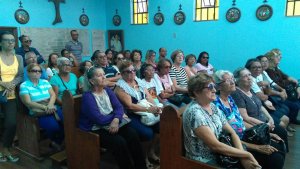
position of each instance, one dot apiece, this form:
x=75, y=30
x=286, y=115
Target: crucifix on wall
x=57, y=10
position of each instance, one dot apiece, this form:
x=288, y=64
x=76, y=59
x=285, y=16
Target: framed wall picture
x=116, y=40
x=264, y=12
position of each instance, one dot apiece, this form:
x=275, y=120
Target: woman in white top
x=52, y=65
x=203, y=65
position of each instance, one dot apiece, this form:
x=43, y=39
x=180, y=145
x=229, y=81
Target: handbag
x=176, y=99
x=147, y=118
x=224, y=160
x=291, y=91
x=258, y=134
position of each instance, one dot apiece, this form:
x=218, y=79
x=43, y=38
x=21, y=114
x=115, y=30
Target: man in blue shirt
x=25, y=47
x=30, y=57
x=100, y=59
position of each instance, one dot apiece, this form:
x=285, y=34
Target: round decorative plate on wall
x=84, y=20
x=264, y=12
x=233, y=14
x=22, y=16
x=159, y=18
x=179, y=17
x=117, y=20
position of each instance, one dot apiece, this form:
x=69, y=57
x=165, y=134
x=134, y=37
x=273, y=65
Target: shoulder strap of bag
x=63, y=82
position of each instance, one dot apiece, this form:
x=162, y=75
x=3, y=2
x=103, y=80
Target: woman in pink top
x=203, y=65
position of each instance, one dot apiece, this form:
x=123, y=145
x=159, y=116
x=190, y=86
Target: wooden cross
x=57, y=10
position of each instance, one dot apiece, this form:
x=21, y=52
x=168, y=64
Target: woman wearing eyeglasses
x=37, y=94
x=267, y=155
x=117, y=60
x=131, y=90
x=203, y=65
x=202, y=124
x=11, y=74
x=251, y=108
x=64, y=80
x=102, y=113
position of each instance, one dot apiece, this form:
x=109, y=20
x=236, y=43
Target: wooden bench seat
x=171, y=143
x=82, y=148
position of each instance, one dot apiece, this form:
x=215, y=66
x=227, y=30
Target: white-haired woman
x=64, y=80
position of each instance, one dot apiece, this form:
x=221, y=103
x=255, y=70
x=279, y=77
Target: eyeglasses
x=9, y=40
x=129, y=71
x=256, y=67
x=167, y=67
x=247, y=75
x=210, y=87
x=205, y=57
x=228, y=81
x=120, y=58
x=31, y=58
x=150, y=70
x=36, y=71
x=28, y=41
x=67, y=64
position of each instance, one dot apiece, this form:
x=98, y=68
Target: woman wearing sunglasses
x=64, y=80
x=268, y=156
x=203, y=122
x=38, y=96
x=102, y=113
x=203, y=65
x=131, y=91
x=11, y=74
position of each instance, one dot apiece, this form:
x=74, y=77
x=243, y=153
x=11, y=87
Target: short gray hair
x=237, y=73
x=29, y=54
x=61, y=60
x=218, y=75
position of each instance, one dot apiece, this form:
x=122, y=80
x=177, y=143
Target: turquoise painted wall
x=229, y=44
x=42, y=13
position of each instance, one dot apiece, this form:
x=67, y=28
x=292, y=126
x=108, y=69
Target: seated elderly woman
x=268, y=156
x=64, y=80
x=83, y=67
x=190, y=63
x=277, y=110
x=162, y=77
x=250, y=105
x=154, y=87
x=179, y=79
x=203, y=122
x=132, y=91
x=38, y=95
x=283, y=80
x=103, y=114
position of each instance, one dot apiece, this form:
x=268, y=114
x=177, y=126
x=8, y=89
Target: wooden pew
x=28, y=132
x=82, y=148
x=171, y=143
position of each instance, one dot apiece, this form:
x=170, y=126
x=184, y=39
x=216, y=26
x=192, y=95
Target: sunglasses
x=36, y=71
x=205, y=57
x=9, y=40
x=120, y=58
x=129, y=71
x=210, y=87
x=28, y=41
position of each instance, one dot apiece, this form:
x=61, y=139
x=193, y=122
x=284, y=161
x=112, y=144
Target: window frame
x=294, y=8
x=211, y=7
x=136, y=22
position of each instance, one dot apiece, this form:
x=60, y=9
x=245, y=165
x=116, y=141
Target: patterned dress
x=194, y=117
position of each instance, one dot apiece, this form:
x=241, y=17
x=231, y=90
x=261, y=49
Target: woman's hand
x=114, y=126
x=283, y=94
x=250, y=162
x=271, y=124
x=269, y=105
x=265, y=149
x=155, y=110
x=51, y=109
x=275, y=137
